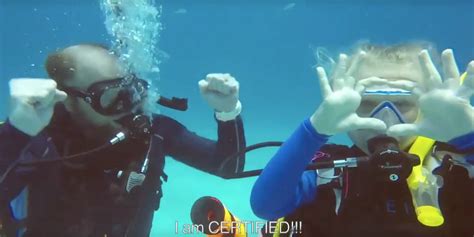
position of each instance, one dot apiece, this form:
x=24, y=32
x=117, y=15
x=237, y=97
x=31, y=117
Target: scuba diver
x=411, y=169
x=91, y=158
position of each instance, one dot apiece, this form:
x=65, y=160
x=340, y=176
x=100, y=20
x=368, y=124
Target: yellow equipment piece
x=216, y=220
x=277, y=232
x=427, y=211
x=463, y=77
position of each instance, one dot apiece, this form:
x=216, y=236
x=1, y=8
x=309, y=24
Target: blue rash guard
x=284, y=185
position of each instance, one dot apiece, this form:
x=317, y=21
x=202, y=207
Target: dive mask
x=387, y=110
x=392, y=106
x=112, y=97
x=388, y=113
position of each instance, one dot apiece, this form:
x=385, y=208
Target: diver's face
x=93, y=66
x=406, y=74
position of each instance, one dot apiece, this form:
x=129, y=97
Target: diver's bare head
x=79, y=67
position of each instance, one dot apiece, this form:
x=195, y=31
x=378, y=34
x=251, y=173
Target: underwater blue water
x=264, y=44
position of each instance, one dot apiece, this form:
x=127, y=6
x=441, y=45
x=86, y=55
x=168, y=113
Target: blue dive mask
x=387, y=111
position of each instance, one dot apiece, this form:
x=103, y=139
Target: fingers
x=356, y=62
x=401, y=130
x=203, y=84
x=48, y=99
x=450, y=68
x=341, y=67
x=338, y=84
x=215, y=83
x=39, y=93
x=343, y=75
x=466, y=90
x=323, y=82
x=468, y=80
x=367, y=82
x=43, y=99
x=349, y=80
x=432, y=77
x=221, y=83
x=403, y=84
x=60, y=96
x=366, y=123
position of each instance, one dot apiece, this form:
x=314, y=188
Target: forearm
x=211, y=156
x=230, y=140
x=202, y=153
x=283, y=179
x=12, y=143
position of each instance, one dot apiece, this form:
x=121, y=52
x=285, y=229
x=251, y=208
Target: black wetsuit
x=87, y=198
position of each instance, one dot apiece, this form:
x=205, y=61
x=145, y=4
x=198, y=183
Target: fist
x=32, y=103
x=221, y=91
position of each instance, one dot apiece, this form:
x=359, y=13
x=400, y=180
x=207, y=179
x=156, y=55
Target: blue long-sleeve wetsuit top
x=284, y=185
x=463, y=143
x=89, y=198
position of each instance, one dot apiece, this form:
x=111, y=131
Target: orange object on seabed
x=216, y=220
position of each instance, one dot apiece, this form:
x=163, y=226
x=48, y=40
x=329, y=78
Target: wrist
x=15, y=133
x=310, y=127
x=231, y=115
x=18, y=123
x=315, y=121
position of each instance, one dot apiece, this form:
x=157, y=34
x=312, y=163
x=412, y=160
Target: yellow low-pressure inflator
x=216, y=220
x=424, y=185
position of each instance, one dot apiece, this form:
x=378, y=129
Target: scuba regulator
x=387, y=162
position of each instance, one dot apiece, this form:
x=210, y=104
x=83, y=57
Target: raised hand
x=221, y=91
x=445, y=110
x=32, y=103
x=337, y=112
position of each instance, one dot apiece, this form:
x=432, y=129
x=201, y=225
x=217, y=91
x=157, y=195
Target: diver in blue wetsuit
x=77, y=187
x=384, y=97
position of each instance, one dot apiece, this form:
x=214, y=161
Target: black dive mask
x=388, y=162
x=112, y=97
